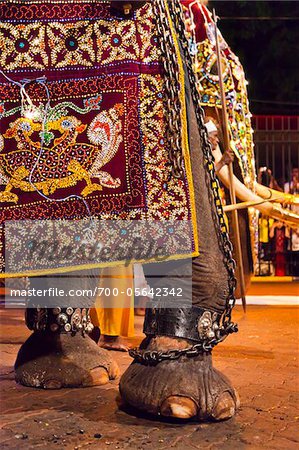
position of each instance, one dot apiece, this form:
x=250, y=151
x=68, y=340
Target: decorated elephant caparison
x=121, y=93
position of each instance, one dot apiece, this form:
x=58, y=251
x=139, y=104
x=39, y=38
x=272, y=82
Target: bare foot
x=185, y=388
x=113, y=343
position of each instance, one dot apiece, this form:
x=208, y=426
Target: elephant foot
x=52, y=360
x=185, y=388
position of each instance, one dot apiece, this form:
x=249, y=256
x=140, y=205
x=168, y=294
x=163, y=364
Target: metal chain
x=172, y=87
x=177, y=16
x=156, y=356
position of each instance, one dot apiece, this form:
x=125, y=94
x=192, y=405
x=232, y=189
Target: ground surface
x=261, y=361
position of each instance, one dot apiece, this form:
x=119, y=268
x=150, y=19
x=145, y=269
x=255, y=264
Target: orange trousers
x=112, y=320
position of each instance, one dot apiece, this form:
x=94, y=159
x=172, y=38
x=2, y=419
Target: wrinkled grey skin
x=209, y=275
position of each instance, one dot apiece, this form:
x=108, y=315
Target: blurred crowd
x=279, y=243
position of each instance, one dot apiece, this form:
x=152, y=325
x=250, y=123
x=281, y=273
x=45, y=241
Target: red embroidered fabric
x=82, y=115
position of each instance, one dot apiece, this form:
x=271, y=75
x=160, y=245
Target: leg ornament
x=62, y=320
x=198, y=325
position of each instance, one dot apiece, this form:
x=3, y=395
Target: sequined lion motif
x=62, y=161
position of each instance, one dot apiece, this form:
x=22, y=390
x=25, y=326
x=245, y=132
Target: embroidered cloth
x=201, y=33
x=82, y=118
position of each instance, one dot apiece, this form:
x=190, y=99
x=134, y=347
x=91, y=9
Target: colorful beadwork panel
x=83, y=122
x=201, y=33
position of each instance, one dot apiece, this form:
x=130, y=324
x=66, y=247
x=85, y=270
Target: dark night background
x=265, y=36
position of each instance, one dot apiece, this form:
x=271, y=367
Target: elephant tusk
x=279, y=197
x=246, y=195
x=244, y=205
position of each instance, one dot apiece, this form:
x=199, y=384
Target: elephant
x=172, y=373
x=201, y=29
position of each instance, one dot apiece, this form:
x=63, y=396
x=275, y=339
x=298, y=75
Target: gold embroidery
x=83, y=43
x=66, y=162
x=71, y=44
x=22, y=46
x=149, y=50
x=116, y=41
x=185, y=143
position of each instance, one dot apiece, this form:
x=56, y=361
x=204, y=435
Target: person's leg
x=115, y=343
x=113, y=314
x=109, y=338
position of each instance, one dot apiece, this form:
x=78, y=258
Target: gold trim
x=186, y=154
x=185, y=143
x=59, y=270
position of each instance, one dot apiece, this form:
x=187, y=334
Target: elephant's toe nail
x=237, y=400
x=114, y=371
x=179, y=407
x=52, y=384
x=225, y=407
x=97, y=377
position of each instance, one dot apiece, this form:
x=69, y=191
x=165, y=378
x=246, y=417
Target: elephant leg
x=184, y=384
x=59, y=353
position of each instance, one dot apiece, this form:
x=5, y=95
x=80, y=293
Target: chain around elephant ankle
x=192, y=324
x=151, y=357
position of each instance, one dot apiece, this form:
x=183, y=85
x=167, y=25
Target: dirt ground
x=261, y=361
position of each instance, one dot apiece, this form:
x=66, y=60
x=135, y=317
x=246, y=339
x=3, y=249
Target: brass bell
x=67, y=327
x=62, y=319
x=89, y=327
x=206, y=324
x=69, y=311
